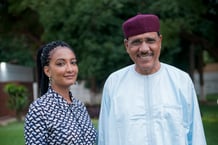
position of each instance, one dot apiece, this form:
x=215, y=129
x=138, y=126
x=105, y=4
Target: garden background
x=93, y=29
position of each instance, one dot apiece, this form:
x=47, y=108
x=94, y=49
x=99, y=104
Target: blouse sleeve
x=35, y=131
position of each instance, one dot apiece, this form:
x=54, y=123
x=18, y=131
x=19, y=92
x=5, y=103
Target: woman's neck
x=64, y=92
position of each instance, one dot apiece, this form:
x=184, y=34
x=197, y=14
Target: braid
x=43, y=59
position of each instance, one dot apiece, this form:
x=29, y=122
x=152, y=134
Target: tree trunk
x=201, y=75
x=192, y=61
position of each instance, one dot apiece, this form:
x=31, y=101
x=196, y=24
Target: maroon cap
x=141, y=23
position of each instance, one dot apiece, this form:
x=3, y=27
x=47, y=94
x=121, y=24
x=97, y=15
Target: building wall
x=10, y=73
x=84, y=94
x=210, y=80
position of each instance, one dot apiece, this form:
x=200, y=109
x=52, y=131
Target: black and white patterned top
x=52, y=121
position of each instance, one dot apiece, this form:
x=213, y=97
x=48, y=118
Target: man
x=148, y=102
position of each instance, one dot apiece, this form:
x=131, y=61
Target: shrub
x=17, y=98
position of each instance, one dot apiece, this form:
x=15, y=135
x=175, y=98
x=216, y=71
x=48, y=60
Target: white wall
x=210, y=83
x=11, y=72
x=84, y=94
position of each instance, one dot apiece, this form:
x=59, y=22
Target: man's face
x=144, y=50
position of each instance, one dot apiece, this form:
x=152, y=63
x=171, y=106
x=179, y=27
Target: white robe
x=156, y=109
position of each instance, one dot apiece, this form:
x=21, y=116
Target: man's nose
x=144, y=46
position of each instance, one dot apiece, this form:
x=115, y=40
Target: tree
x=20, y=33
x=17, y=98
x=192, y=27
x=93, y=29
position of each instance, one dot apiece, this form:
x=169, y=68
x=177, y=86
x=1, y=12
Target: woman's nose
x=70, y=67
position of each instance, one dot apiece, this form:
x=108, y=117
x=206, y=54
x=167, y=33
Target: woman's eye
x=60, y=63
x=74, y=62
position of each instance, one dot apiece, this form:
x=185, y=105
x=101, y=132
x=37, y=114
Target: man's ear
x=47, y=71
x=126, y=45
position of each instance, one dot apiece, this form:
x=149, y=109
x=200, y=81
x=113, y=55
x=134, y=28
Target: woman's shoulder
x=78, y=102
x=41, y=102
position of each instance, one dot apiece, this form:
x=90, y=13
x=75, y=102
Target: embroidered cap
x=141, y=23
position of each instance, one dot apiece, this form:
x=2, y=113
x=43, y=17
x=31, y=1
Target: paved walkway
x=7, y=119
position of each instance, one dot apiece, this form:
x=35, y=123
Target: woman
x=57, y=117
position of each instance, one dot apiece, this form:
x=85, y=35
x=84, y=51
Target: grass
x=12, y=134
x=210, y=119
x=210, y=122
x=95, y=122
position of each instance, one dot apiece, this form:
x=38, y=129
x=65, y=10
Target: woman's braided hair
x=43, y=59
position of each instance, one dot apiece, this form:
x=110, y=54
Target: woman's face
x=62, y=68
x=144, y=50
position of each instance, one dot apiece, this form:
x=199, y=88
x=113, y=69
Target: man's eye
x=150, y=40
x=136, y=42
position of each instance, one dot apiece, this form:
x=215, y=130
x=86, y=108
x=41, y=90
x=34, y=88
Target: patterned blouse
x=51, y=120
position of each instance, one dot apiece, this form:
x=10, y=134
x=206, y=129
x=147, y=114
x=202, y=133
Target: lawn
x=12, y=134
x=210, y=119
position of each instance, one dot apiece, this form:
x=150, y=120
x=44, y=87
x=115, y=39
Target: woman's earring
x=75, y=83
x=49, y=84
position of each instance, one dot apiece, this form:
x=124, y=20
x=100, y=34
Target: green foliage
x=208, y=58
x=19, y=33
x=13, y=50
x=94, y=29
x=17, y=97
